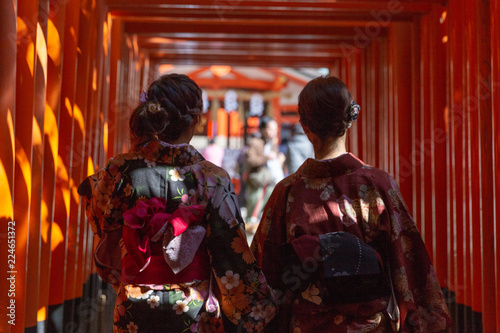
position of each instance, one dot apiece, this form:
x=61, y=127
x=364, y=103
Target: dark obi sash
x=344, y=268
x=163, y=248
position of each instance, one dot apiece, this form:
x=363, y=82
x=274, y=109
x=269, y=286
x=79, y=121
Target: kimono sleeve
x=266, y=244
x=245, y=297
x=103, y=212
x=418, y=293
x=269, y=236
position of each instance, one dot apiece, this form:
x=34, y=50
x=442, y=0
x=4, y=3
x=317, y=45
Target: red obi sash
x=158, y=271
x=155, y=256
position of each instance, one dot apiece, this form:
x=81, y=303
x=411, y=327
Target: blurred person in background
x=299, y=149
x=264, y=164
x=213, y=153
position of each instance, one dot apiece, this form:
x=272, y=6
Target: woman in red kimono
x=168, y=232
x=336, y=240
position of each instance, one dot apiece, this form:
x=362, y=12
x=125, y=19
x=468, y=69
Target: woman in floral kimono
x=168, y=232
x=336, y=240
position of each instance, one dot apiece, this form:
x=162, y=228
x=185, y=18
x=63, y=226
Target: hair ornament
x=143, y=97
x=154, y=107
x=353, y=112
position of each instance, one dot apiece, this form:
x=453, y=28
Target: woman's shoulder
x=123, y=158
x=376, y=176
x=286, y=183
x=211, y=168
x=370, y=169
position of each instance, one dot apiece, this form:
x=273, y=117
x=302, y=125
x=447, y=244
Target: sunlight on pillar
x=53, y=43
x=163, y=40
x=105, y=138
x=41, y=314
x=78, y=116
x=62, y=175
x=23, y=162
x=446, y=119
x=37, y=134
x=45, y=224
x=56, y=236
x=135, y=44
x=30, y=57
x=10, y=126
x=6, y=203
x=22, y=29
x=6, y=207
x=74, y=190
x=94, y=79
x=105, y=39
x=90, y=166
x=50, y=129
x=69, y=108
x=73, y=33
x=23, y=35
x=443, y=17
x=41, y=50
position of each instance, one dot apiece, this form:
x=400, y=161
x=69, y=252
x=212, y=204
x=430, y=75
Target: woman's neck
x=328, y=148
x=137, y=144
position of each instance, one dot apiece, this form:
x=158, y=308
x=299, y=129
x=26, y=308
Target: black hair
x=172, y=103
x=264, y=120
x=323, y=106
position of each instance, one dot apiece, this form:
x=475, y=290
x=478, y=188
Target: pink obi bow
x=147, y=222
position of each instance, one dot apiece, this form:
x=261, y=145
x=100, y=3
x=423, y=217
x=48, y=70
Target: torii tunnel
x=425, y=72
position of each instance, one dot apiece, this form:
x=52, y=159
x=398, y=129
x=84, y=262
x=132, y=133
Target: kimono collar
x=334, y=167
x=162, y=152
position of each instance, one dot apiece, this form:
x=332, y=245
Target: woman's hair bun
x=167, y=110
x=324, y=107
x=154, y=107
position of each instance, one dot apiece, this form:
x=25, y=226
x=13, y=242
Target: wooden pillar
x=400, y=115
x=65, y=193
x=114, y=80
x=33, y=269
x=486, y=167
x=473, y=148
x=9, y=229
x=416, y=155
x=458, y=278
x=55, y=38
x=438, y=138
x=495, y=110
x=25, y=89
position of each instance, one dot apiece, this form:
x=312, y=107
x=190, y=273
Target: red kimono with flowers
x=344, y=194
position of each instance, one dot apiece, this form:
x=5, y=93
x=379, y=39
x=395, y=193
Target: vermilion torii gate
x=425, y=72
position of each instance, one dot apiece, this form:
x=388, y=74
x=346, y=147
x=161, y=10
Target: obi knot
x=147, y=222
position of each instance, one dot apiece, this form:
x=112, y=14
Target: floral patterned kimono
x=346, y=195
x=170, y=238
